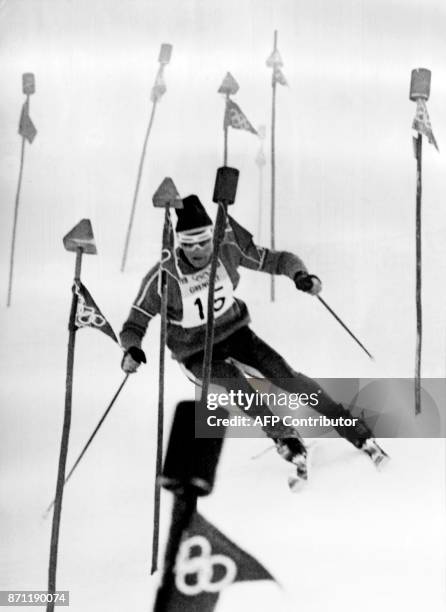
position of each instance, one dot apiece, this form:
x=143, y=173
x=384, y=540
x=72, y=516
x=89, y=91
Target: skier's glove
x=308, y=283
x=133, y=358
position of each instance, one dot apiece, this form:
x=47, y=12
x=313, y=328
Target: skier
x=236, y=347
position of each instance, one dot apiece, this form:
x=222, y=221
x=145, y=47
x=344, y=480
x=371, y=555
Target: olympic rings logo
x=202, y=565
x=88, y=316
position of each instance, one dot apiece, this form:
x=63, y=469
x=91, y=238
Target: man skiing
x=236, y=346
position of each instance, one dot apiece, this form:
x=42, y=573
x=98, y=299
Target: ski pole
x=90, y=439
x=332, y=312
x=263, y=452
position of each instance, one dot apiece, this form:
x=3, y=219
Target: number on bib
x=219, y=303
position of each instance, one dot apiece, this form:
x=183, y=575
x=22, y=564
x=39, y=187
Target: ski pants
x=247, y=349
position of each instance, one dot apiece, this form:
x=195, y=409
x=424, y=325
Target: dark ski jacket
x=187, y=293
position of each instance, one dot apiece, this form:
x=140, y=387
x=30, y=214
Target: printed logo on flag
x=202, y=567
x=88, y=314
x=207, y=562
x=422, y=123
x=234, y=117
x=279, y=77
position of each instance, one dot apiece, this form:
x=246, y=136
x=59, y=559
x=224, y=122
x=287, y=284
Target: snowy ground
x=354, y=538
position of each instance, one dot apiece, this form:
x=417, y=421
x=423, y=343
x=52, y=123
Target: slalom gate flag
x=278, y=76
x=27, y=129
x=242, y=236
x=234, y=117
x=88, y=313
x=274, y=59
x=422, y=123
x=159, y=87
x=207, y=563
x=168, y=251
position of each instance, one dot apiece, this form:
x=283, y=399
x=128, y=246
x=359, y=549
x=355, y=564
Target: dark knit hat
x=192, y=215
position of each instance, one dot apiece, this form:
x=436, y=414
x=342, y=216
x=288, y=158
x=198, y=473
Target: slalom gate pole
x=28, y=131
x=260, y=162
x=225, y=131
x=184, y=507
x=260, y=219
x=158, y=90
x=228, y=87
x=224, y=194
x=219, y=233
x=160, y=425
x=339, y=320
x=418, y=273
x=136, y=192
x=65, y=438
x=273, y=172
x=166, y=196
x=14, y=226
x=189, y=472
x=419, y=92
x=79, y=240
x=91, y=438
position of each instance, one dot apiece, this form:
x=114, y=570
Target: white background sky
x=345, y=204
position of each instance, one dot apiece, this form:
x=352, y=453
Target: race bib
x=194, y=295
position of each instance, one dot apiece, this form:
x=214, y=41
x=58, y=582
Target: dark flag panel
x=278, y=76
x=27, y=129
x=422, y=123
x=236, y=118
x=207, y=563
x=88, y=313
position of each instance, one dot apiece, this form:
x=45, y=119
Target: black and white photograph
x=223, y=308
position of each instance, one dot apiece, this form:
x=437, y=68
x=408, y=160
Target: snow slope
x=353, y=537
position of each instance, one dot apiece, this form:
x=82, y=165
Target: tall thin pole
x=260, y=161
x=273, y=170
x=138, y=182
x=183, y=510
x=28, y=89
x=418, y=295
x=65, y=437
x=219, y=232
x=158, y=90
x=160, y=425
x=16, y=214
x=419, y=92
x=225, y=130
x=260, y=220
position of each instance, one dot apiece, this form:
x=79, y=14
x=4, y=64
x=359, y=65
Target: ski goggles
x=195, y=239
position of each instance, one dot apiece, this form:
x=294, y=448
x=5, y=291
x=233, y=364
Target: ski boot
x=294, y=451
x=371, y=448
